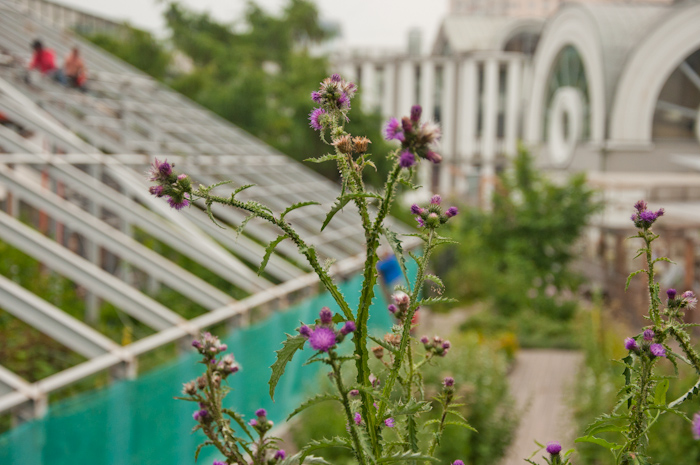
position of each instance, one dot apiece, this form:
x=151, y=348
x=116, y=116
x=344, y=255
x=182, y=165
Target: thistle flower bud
x=344, y=144
x=348, y=328
x=305, y=331
x=416, y=112
x=433, y=157
x=406, y=125
x=201, y=383
x=280, y=455
x=553, y=447
x=361, y=144
x=261, y=412
x=407, y=159
x=435, y=200
x=354, y=393
x=189, y=388
x=448, y=382
x=631, y=344
x=657, y=350
x=326, y=316
x=648, y=334
x=378, y=352
x=671, y=293
x=425, y=340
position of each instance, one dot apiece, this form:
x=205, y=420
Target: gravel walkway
x=540, y=383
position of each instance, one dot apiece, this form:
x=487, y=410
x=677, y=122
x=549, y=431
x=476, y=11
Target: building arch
x=647, y=70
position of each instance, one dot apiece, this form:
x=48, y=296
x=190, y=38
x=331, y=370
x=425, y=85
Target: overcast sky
x=364, y=23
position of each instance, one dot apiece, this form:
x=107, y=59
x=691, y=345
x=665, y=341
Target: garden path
x=541, y=383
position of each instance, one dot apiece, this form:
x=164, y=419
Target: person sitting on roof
x=43, y=59
x=74, y=73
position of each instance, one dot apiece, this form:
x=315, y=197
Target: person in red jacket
x=43, y=59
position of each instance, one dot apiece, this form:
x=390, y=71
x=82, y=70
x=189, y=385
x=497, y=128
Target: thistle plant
x=642, y=400
x=384, y=409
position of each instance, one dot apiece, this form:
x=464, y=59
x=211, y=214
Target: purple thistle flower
x=253, y=422
x=178, y=205
x=392, y=130
x=457, y=462
x=326, y=315
x=420, y=221
x=390, y=422
x=416, y=210
x=657, y=350
x=358, y=418
x=344, y=101
x=406, y=126
x=223, y=348
x=448, y=381
x=435, y=200
x=553, y=447
x=196, y=344
x=648, y=334
x=671, y=293
x=261, y=412
x=433, y=156
x=322, y=339
x=160, y=170
x=316, y=97
x=392, y=308
x=348, y=328
x=640, y=206
x=336, y=77
x=631, y=344
x=696, y=426
x=181, y=177
x=305, y=331
x=416, y=111
x=452, y=211
x=315, y=117
x=446, y=345
x=407, y=159
x=354, y=393
x=218, y=462
x=280, y=455
x=689, y=299
x=156, y=190
x=424, y=340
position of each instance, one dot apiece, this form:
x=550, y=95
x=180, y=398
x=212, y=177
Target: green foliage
x=596, y=389
x=518, y=255
x=138, y=48
x=256, y=73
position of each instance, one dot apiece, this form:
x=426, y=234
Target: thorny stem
x=370, y=278
x=308, y=251
x=436, y=439
x=648, y=237
x=406, y=335
x=639, y=423
x=230, y=447
x=346, y=405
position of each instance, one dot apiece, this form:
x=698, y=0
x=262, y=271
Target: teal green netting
x=139, y=422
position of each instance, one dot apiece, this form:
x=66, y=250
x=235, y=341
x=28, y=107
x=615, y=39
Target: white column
x=368, y=87
x=467, y=107
x=447, y=116
x=388, y=91
x=407, y=85
x=488, y=135
x=427, y=101
x=512, y=109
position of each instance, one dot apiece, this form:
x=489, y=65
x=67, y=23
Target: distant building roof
x=462, y=34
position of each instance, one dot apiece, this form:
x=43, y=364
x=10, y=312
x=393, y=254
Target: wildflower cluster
x=175, y=187
x=432, y=216
x=644, y=393
x=333, y=96
x=554, y=457
x=323, y=336
x=417, y=139
x=380, y=413
x=435, y=346
x=643, y=218
x=208, y=392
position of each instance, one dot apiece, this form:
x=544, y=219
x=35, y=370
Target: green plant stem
x=308, y=251
x=684, y=341
x=648, y=237
x=639, y=421
x=366, y=296
x=346, y=406
x=223, y=425
x=406, y=334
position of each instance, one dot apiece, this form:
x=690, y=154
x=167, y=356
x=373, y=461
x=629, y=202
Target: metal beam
x=220, y=262
x=114, y=240
x=53, y=321
x=103, y=284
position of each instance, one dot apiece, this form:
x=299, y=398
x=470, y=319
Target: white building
x=602, y=87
